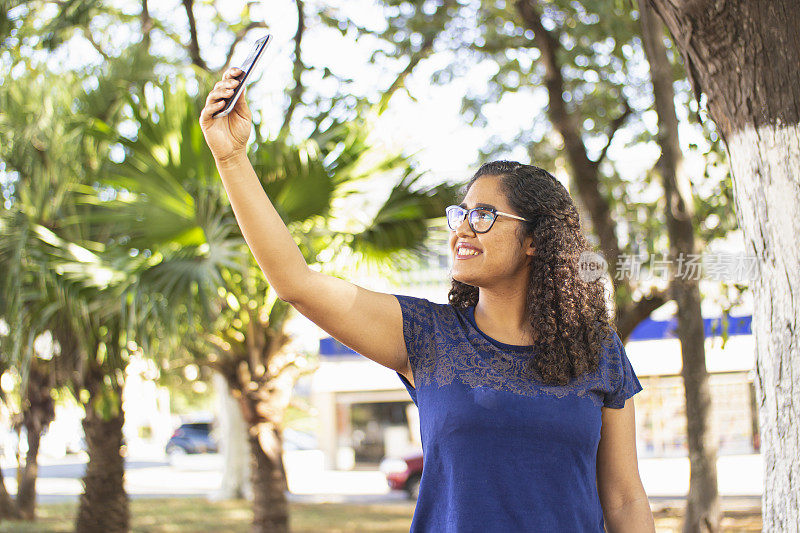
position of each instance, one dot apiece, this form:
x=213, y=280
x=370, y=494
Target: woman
x=521, y=383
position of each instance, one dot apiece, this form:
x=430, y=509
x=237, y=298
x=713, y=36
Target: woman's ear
x=530, y=249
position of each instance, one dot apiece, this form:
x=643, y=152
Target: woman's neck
x=504, y=317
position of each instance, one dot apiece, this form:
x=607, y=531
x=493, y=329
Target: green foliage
x=62, y=277
x=198, y=283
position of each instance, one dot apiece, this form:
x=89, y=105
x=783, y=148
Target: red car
x=403, y=474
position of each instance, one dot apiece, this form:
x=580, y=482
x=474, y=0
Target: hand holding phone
x=228, y=136
x=247, y=68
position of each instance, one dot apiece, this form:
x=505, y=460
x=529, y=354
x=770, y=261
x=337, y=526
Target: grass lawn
x=199, y=515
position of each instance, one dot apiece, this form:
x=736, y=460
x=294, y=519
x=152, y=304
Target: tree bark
x=193, y=47
x=146, y=25
x=263, y=386
x=702, y=502
x=37, y=413
x=263, y=408
x=103, y=505
x=268, y=478
x=234, y=444
x=26, y=491
x=585, y=174
x=743, y=57
x=8, y=507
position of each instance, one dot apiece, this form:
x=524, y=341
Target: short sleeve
x=418, y=327
x=624, y=382
x=418, y=333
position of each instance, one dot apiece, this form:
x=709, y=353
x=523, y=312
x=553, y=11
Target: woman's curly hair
x=568, y=314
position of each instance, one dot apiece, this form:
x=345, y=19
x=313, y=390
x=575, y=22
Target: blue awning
x=650, y=329
x=330, y=347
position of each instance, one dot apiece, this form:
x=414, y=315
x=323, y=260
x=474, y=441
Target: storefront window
x=369, y=422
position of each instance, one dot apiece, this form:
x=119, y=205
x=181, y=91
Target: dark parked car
x=403, y=474
x=194, y=437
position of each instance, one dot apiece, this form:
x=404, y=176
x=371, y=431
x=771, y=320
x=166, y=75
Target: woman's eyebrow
x=464, y=205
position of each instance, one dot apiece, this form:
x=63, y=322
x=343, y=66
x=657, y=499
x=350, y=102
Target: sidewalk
x=737, y=475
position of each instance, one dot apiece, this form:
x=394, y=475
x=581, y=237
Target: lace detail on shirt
x=443, y=346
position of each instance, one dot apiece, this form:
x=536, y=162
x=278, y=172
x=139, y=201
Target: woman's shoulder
x=425, y=308
x=423, y=302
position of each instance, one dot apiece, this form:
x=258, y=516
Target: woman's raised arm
x=369, y=322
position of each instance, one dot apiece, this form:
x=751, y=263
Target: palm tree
x=172, y=205
x=65, y=288
x=38, y=148
x=62, y=276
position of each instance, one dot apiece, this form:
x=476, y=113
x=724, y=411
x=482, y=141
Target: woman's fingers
x=219, y=93
x=212, y=98
x=226, y=84
x=209, y=109
x=224, y=87
x=231, y=73
x=212, y=108
x=223, y=90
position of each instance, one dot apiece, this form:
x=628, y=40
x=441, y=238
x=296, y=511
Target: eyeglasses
x=480, y=219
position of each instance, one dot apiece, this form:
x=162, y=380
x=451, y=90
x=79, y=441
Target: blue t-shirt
x=503, y=452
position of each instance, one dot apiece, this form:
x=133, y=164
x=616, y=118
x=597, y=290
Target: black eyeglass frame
x=468, y=215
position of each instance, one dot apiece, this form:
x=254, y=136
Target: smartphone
x=247, y=67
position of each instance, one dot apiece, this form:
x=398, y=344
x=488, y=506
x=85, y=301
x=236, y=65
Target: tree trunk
x=8, y=507
x=263, y=384
x=104, y=504
x=263, y=407
x=234, y=444
x=743, y=57
x=769, y=210
x=37, y=414
x=26, y=491
x=702, y=502
x=268, y=478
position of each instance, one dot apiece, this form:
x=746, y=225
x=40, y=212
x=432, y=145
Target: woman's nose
x=463, y=227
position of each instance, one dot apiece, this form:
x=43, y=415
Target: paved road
x=201, y=475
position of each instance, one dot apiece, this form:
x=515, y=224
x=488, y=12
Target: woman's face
x=493, y=257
